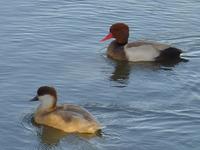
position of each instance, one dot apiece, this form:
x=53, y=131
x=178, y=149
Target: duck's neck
x=122, y=43
x=115, y=46
x=47, y=103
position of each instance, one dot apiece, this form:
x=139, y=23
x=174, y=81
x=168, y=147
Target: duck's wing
x=63, y=114
x=71, y=113
x=80, y=111
x=78, y=118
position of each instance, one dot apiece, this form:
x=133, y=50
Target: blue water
x=142, y=106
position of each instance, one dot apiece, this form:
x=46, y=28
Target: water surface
x=143, y=106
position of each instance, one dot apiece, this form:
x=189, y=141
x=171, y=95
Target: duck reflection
x=123, y=68
x=51, y=136
x=121, y=72
x=172, y=63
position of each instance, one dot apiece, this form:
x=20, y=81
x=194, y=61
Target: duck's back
x=70, y=118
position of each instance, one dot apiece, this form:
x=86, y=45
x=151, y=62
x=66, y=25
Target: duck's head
x=47, y=96
x=120, y=32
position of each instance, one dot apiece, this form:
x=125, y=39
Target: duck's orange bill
x=107, y=37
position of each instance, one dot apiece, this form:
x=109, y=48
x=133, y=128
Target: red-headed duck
x=120, y=49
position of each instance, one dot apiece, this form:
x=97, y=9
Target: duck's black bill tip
x=34, y=99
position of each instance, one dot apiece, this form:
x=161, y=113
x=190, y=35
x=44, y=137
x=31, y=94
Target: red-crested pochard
x=120, y=49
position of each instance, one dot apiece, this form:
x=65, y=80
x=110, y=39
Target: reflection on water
x=121, y=72
x=123, y=68
x=51, y=136
x=172, y=63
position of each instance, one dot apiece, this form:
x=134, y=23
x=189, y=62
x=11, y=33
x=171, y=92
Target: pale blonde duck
x=67, y=117
x=120, y=49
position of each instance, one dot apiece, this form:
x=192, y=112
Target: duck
x=66, y=117
x=120, y=49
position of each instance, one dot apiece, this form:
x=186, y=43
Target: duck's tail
x=169, y=54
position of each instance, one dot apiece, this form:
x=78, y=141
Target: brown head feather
x=120, y=32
